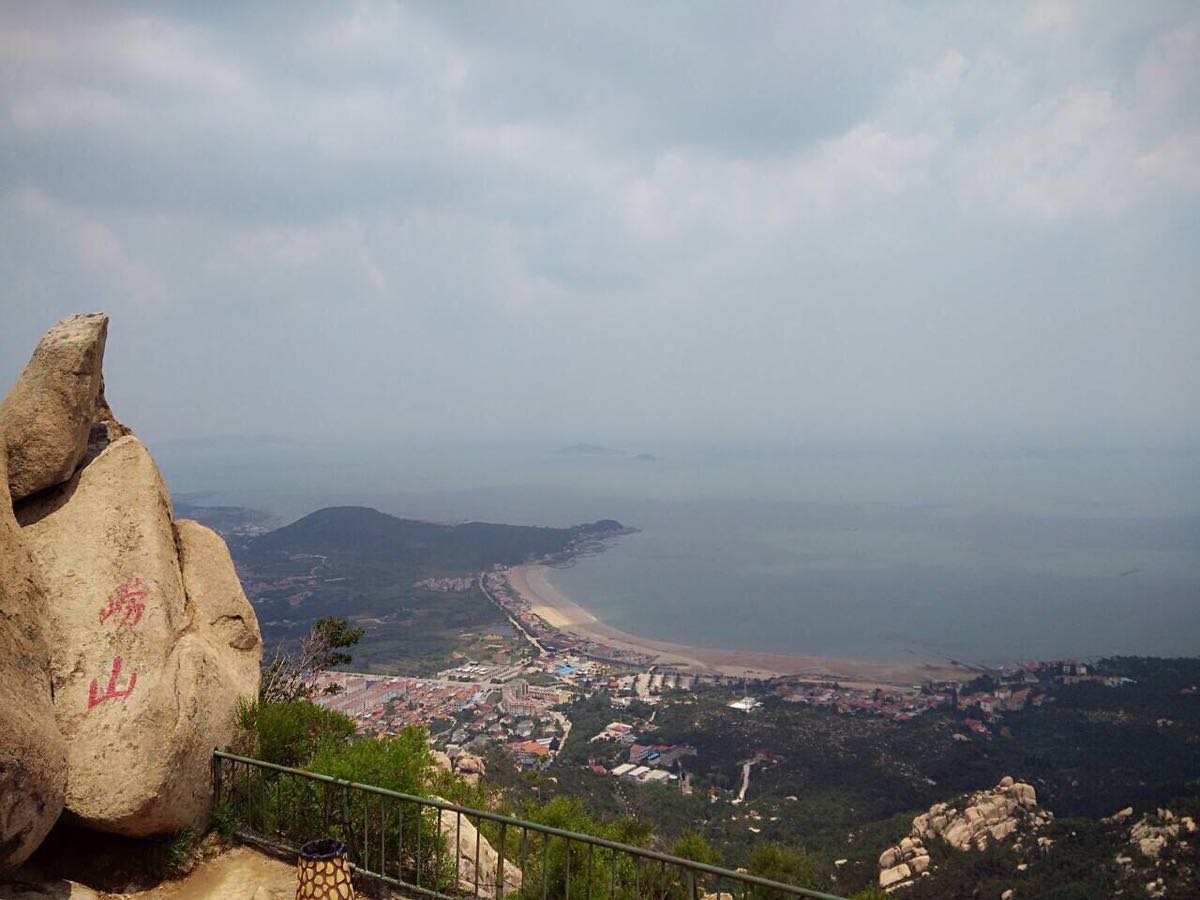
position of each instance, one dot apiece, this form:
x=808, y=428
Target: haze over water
x=986, y=557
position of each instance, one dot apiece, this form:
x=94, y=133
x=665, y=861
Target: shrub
x=789, y=865
x=692, y=845
x=177, y=851
x=398, y=763
x=371, y=824
x=290, y=734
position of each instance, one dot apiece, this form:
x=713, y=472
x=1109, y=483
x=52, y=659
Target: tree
x=287, y=678
x=788, y=865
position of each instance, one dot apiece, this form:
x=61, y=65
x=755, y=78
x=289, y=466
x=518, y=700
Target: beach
x=560, y=612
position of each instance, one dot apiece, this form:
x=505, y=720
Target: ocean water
x=985, y=557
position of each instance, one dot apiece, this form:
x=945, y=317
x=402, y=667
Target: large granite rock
x=48, y=414
x=148, y=659
x=1008, y=809
x=477, y=862
x=33, y=765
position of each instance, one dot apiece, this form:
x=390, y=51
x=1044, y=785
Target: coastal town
x=522, y=707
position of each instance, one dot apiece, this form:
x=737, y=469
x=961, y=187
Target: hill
x=367, y=534
x=410, y=583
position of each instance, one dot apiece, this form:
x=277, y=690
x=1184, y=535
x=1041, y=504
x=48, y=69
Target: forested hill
x=365, y=533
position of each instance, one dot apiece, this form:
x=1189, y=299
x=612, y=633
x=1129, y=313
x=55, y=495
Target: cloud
x=812, y=220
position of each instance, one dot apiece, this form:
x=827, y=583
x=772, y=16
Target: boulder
x=470, y=763
x=49, y=412
x=148, y=660
x=1025, y=794
x=33, y=756
x=219, y=609
x=462, y=840
x=440, y=762
x=893, y=876
x=469, y=768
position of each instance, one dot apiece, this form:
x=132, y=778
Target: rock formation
x=466, y=766
x=48, y=414
x=1153, y=833
x=995, y=815
x=151, y=642
x=33, y=764
x=462, y=842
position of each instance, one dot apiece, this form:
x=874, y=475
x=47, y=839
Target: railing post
x=500, y=860
x=246, y=793
x=216, y=777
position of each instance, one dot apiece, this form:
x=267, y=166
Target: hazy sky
x=630, y=224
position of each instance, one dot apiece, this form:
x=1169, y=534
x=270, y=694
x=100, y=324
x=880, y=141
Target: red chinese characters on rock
x=127, y=602
x=123, y=612
x=95, y=698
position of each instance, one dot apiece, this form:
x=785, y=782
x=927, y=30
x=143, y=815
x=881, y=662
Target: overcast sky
x=629, y=224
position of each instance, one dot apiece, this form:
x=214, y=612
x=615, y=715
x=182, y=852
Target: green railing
x=427, y=846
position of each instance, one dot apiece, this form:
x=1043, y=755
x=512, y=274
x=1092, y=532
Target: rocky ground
x=237, y=874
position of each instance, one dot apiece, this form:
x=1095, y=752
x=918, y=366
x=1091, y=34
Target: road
x=541, y=651
x=746, y=766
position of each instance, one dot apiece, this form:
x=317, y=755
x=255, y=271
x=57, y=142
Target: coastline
x=559, y=612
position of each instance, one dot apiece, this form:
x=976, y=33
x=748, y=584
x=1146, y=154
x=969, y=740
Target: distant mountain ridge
x=360, y=531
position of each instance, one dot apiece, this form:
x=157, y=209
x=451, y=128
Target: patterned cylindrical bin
x=322, y=871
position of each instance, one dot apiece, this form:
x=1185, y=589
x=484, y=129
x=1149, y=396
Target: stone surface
x=33, y=767
x=461, y=836
x=49, y=412
x=219, y=609
x=469, y=768
x=1156, y=831
x=986, y=817
x=893, y=876
x=147, y=666
x=440, y=762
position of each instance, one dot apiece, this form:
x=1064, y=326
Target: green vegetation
x=294, y=810
x=286, y=678
x=845, y=787
x=363, y=566
x=177, y=852
x=790, y=865
x=291, y=733
x=399, y=763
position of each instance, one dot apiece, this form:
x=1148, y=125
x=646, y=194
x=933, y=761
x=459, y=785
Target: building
x=517, y=701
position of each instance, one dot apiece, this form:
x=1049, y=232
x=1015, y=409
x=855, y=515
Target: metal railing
x=430, y=847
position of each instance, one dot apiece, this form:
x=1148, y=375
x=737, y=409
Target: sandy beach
x=560, y=612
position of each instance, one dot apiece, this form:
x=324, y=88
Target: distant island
x=587, y=450
x=601, y=450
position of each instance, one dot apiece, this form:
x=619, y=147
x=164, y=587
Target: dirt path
x=237, y=874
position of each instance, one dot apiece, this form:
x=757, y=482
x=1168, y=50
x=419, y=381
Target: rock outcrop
x=1155, y=832
x=466, y=766
x=148, y=642
x=33, y=764
x=145, y=671
x=470, y=768
x=987, y=816
x=462, y=841
x=48, y=414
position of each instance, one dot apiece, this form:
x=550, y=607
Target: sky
x=628, y=224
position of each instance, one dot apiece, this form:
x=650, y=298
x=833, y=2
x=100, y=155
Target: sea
x=982, y=556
